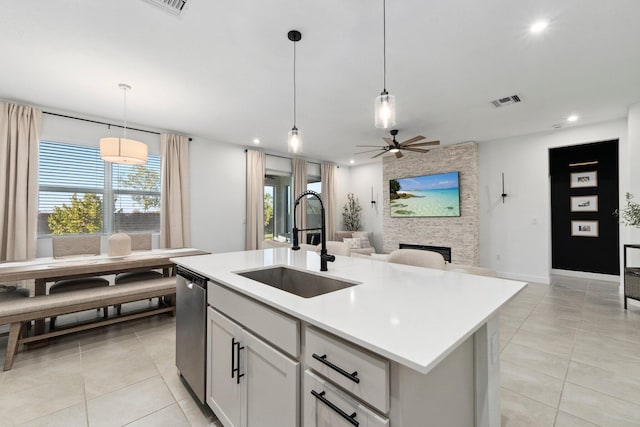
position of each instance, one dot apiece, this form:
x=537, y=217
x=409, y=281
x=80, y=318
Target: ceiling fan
x=395, y=147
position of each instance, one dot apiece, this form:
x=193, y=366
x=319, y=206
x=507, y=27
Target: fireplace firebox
x=443, y=250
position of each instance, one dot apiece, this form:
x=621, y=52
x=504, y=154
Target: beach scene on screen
x=425, y=196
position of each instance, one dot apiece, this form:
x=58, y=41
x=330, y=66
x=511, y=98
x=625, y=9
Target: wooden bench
x=21, y=310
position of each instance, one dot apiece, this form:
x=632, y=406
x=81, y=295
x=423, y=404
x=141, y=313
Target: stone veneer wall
x=461, y=234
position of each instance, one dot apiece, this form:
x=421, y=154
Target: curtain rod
x=102, y=123
x=288, y=158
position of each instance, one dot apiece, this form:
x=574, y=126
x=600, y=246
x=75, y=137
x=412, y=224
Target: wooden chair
x=419, y=258
x=139, y=242
x=65, y=246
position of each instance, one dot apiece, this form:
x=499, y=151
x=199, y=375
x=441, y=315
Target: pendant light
x=385, y=105
x=295, y=139
x=123, y=150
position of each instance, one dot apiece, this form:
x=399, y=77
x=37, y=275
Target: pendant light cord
x=294, y=84
x=125, y=112
x=384, y=45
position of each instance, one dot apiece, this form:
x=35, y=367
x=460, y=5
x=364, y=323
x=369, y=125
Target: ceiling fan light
x=385, y=110
x=295, y=141
x=123, y=151
x=394, y=150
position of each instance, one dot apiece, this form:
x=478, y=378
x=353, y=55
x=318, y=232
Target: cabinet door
x=223, y=393
x=272, y=385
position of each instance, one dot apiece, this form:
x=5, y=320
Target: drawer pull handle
x=351, y=418
x=323, y=359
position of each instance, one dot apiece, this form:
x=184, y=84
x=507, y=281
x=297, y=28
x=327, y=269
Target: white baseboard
x=545, y=280
x=587, y=275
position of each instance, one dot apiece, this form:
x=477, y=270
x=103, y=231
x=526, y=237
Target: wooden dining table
x=44, y=270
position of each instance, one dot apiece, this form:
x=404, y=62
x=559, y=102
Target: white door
x=223, y=391
x=272, y=385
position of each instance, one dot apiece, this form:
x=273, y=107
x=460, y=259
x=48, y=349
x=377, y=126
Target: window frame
x=108, y=190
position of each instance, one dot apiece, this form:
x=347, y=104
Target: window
x=79, y=193
x=277, y=206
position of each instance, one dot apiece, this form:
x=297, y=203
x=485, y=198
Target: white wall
x=362, y=179
x=515, y=237
x=218, y=196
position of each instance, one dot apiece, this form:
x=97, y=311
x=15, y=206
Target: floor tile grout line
x=522, y=322
x=153, y=412
x=566, y=374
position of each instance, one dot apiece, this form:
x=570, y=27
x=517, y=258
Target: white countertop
x=412, y=315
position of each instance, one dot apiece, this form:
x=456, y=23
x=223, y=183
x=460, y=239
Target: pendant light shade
x=294, y=142
x=385, y=110
x=385, y=104
x=123, y=150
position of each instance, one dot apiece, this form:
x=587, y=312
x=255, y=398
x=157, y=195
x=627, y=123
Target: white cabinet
x=250, y=383
x=326, y=406
x=361, y=373
x=223, y=391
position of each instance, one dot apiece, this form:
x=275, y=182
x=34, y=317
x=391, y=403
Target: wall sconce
x=503, y=195
x=373, y=201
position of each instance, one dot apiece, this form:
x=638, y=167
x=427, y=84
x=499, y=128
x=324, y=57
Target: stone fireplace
x=460, y=234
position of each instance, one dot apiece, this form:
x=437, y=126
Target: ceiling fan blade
x=422, y=144
x=399, y=155
x=367, y=151
x=414, y=139
x=417, y=150
x=379, y=154
x=369, y=146
x=389, y=141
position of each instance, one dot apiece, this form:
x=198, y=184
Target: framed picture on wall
x=584, y=203
x=584, y=179
x=584, y=228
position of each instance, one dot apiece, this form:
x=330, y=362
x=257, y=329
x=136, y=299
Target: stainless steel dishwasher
x=191, y=329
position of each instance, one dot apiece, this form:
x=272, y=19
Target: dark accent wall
x=577, y=252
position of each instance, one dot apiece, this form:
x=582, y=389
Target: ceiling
x=223, y=70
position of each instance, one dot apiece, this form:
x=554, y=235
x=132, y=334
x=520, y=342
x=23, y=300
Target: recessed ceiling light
x=352, y=161
x=573, y=118
x=256, y=141
x=539, y=26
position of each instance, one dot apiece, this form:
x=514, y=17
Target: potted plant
x=351, y=213
x=630, y=214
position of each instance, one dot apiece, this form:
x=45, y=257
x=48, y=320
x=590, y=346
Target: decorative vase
x=119, y=244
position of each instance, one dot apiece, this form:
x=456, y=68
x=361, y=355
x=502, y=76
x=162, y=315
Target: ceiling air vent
x=175, y=7
x=509, y=100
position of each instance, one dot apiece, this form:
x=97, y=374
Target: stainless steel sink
x=303, y=284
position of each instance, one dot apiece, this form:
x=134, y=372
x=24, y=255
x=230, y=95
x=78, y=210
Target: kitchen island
x=403, y=346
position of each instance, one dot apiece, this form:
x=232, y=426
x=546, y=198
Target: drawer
x=277, y=328
x=357, y=371
x=326, y=406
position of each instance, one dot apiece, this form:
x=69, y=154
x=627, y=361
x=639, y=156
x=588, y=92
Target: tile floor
x=570, y=356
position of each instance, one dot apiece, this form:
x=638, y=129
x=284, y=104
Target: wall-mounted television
x=425, y=196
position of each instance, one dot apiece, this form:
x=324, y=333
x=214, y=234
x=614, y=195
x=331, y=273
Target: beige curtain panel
x=256, y=166
x=19, y=138
x=328, y=179
x=175, y=223
x=300, y=185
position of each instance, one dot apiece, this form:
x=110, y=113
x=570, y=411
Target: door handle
x=239, y=375
x=235, y=359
